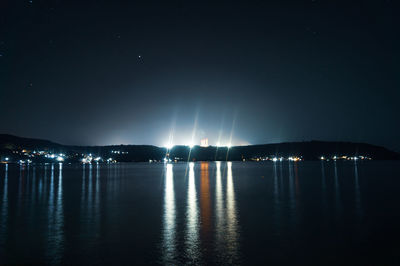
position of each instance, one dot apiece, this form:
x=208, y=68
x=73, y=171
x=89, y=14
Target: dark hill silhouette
x=309, y=150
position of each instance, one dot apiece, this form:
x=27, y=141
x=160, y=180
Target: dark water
x=203, y=213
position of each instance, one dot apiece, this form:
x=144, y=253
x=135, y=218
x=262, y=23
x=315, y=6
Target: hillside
x=310, y=150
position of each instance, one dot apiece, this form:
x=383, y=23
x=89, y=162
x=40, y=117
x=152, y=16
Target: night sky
x=112, y=72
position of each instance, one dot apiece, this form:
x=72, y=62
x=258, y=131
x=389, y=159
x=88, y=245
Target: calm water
x=203, y=213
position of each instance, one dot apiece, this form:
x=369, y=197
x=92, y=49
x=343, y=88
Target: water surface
x=201, y=213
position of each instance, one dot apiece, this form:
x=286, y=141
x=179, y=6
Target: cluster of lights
x=294, y=159
x=276, y=159
x=23, y=162
x=52, y=155
x=59, y=157
x=344, y=157
x=119, y=152
x=90, y=159
x=87, y=159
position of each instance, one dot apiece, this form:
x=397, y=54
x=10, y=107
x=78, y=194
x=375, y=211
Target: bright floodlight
x=60, y=159
x=229, y=145
x=169, y=146
x=191, y=145
x=218, y=144
x=275, y=159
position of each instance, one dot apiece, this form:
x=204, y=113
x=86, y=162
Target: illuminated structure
x=204, y=142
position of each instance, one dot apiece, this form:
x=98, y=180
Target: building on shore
x=204, y=142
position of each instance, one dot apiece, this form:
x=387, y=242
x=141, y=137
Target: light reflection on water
x=276, y=189
x=200, y=233
x=292, y=198
x=213, y=213
x=192, y=216
x=357, y=191
x=337, y=191
x=55, y=232
x=4, y=207
x=205, y=204
x=276, y=195
x=324, y=199
x=219, y=209
x=232, y=226
x=169, y=234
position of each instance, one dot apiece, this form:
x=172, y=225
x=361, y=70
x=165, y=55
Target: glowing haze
x=123, y=72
